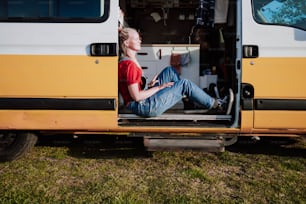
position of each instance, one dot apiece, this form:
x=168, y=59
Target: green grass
x=96, y=173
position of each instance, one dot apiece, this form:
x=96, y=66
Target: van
x=59, y=70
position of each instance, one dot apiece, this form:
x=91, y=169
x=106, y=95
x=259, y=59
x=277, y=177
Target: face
x=134, y=41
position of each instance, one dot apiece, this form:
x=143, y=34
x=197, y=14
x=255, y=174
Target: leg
x=196, y=94
x=158, y=103
x=168, y=97
x=168, y=74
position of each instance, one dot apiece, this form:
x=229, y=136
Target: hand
x=153, y=81
x=169, y=84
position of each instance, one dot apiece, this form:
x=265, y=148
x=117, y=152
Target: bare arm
x=138, y=95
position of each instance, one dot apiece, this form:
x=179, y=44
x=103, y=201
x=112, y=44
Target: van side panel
x=277, y=73
x=64, y=78
x=50, y=81
x=273, y=79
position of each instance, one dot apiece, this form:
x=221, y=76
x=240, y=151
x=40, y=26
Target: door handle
x=250, y=51
x=103, y=49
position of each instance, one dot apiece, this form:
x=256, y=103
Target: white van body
x=59, y=69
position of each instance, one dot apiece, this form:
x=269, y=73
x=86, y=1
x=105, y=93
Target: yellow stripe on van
x=58, y=76
x=276, y=78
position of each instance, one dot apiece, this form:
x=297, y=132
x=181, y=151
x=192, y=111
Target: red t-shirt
x=128, y=73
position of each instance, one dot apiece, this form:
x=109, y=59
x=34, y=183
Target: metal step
x=179, y=144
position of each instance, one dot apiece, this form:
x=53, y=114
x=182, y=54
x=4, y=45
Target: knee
x=170, y=69
x=187, y=86
x=185, y=82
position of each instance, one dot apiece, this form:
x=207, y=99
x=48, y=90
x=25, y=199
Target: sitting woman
x=164, y=91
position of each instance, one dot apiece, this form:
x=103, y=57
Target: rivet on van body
x=97, y=61
x=252, y=63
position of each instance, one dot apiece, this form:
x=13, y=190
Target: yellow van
x=59, y=69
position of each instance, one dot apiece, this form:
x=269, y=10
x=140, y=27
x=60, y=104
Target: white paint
x=273, y=40
x=57, y=38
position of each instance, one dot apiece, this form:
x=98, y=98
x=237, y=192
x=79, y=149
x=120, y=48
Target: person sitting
x=164, y=91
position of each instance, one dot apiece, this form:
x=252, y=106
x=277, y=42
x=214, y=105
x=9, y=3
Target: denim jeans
x=168, y=97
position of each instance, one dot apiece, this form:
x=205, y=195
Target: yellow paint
x=57, y=120
x=280, y=119
x=246, y=121
x=58, y=76
x=278, y=78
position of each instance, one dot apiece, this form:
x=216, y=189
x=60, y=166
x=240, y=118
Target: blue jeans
x=168, y=97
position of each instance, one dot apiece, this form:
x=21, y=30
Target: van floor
x=179, y=115
x=177, y=118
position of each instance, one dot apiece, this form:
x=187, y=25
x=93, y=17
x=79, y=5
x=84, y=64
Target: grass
x=87, y=171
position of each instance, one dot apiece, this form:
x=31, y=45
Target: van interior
x=206, y=30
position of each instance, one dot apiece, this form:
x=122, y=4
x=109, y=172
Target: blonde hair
x=123, y=36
